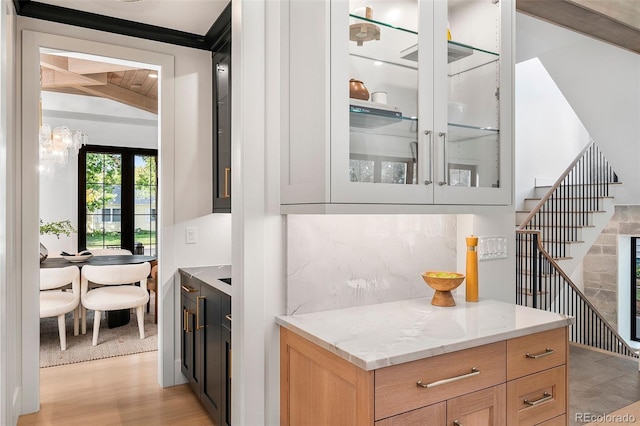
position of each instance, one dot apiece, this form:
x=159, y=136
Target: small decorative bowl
x=77, y=258
x=443, y=282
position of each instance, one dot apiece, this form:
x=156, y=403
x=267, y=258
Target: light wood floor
x=115, y=391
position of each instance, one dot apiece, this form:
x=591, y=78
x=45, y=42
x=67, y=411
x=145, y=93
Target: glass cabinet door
x=383, y=92
x=423, y=96
x=386, y=158
x=467, y=83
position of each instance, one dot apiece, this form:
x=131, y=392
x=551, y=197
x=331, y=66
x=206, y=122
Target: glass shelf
x=407, y=127
x=461, y=57
x=463, y=132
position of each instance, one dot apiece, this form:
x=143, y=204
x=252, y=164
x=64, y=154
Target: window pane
x=361, y=170
x=145, y=173
x=104, y=197
x=458, y=177
x=393, y=172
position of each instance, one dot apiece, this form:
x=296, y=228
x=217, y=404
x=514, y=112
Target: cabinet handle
x=456, y=423
x=546, y=352
x=544, y=398
x=474, y=372
x=198, y=326
x=228, y=317
x=185, y=320
x=443, y=182
x=429, y=180
x=227, y=170
x=188, y=288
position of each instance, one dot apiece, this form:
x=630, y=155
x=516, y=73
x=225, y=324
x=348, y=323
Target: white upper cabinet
x=396, y=106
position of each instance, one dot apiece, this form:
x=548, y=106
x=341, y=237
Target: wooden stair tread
x=526, y=255
x=580, y=184
x=565, y=211
x=571, y=198
x=559, y=226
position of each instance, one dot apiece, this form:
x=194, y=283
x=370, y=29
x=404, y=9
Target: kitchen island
x=409, y=361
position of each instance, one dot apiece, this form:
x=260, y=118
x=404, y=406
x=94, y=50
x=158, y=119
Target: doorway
x=32, y=44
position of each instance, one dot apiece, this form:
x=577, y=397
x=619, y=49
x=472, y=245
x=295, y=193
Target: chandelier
x=56, y=145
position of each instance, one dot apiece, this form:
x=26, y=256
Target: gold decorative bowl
x=443, y=282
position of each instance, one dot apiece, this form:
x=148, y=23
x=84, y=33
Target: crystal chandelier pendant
x=55, y=146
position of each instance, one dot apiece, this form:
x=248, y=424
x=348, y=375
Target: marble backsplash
x=339, y=261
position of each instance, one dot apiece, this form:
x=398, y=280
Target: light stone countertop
x=380, y=335
x=211, y=275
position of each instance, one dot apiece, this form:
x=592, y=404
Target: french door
x=117, y=200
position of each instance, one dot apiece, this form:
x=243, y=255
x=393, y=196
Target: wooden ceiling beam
x=83, y=66
x=53, y=78
x=125, y=96
x=614, y=22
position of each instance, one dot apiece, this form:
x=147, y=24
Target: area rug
x=627, y=415
x=123, y=340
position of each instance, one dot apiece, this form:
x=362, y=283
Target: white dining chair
x=110, y=252
x=118, y=291
x=56, y=301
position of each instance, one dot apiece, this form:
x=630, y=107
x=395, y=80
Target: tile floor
x=600, y=383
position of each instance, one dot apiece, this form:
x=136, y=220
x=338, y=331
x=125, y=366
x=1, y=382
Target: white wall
x=10, y=362
x=601, y=82
x=549, y=135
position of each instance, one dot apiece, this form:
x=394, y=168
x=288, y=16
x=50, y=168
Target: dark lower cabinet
x=205, y=345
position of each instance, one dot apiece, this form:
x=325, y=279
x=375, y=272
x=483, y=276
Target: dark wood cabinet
x=204, y=344
x=222, y=125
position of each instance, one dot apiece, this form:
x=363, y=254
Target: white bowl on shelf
x=78, y=258
x=456, y=112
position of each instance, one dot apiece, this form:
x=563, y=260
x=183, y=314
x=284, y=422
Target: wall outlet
x=191, y=235
x=492, y=248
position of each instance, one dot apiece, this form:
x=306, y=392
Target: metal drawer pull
x=198, y=326
x=456, y=423
x=185, y=319
x=546, y=352
x=188, y=288
x=228, y=317
x=545, y=397
x=227, y=170
x=474, y=372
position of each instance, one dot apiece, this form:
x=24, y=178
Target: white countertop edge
x=210, y=275
x=368, y=365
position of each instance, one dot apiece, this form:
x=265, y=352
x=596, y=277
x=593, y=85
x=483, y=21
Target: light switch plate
x=191, y=235
x=494, y=247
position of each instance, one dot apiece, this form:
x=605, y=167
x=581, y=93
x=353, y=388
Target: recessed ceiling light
x=153, y=75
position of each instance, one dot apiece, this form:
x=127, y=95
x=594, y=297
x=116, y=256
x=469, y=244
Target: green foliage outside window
x=103, y=170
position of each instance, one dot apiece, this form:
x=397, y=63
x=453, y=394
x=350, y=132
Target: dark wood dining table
x=126, y=259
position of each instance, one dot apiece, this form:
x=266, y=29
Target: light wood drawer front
x=435, y=414
x=545, y=350
x=483, y=407
x=397, y=391
x=556, y=421
x=536, y=398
